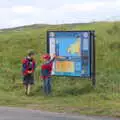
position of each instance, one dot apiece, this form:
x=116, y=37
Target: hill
x=72, y=95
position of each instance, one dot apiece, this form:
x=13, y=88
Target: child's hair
x=31, y=52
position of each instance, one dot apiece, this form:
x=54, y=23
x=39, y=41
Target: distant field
x=72, y=95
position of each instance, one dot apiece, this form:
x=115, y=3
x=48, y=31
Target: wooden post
x=93, y=60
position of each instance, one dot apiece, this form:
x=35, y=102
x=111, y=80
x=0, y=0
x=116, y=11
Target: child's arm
x=24, y=67
x=53, y=58
x=60, y=57
x=56, y=57
x=25, y=70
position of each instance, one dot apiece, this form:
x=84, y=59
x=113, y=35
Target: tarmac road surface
x=8, y=113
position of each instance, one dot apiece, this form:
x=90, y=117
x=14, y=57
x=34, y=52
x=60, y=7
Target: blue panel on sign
x=74, y=46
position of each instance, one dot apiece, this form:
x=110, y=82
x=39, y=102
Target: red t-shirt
x=46, y=69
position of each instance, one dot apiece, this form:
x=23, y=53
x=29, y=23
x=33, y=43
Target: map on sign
x=73, y=48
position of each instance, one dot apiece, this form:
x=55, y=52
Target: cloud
x=23, y=9
x=88, y=11
x=93, y=6
x=17, y=13
x=85, y=7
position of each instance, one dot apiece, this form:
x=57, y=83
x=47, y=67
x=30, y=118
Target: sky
x=15, y=13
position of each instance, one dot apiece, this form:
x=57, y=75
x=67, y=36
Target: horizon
x=27, y=25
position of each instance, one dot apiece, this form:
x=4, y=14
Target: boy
x=46, y=70
x=28, y=68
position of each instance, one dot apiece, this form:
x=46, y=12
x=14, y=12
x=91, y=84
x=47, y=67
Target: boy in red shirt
x=46, y=70
x=28, y=69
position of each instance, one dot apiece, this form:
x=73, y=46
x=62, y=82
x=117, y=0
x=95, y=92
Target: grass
x=71, y=95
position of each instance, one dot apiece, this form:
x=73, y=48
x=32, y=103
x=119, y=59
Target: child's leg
x=46, y=86
x=49, y=85
x=25, y=84
x=28, y=89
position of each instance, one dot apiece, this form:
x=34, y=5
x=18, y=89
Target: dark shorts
x=28, y=79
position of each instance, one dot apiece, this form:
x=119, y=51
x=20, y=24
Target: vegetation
x=71, y=95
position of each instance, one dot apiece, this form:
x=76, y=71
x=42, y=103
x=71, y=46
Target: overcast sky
x=23, y=12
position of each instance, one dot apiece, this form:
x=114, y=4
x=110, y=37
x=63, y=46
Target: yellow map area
x=64, y=66
x=75, y=47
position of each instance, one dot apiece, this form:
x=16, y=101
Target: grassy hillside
x=72, y=95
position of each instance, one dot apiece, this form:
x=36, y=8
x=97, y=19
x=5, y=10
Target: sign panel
x=74, y=49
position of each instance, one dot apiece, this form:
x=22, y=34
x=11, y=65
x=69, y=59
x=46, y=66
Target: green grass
x=71, y=95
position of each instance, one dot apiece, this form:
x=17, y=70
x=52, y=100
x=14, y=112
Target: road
x=8, y=113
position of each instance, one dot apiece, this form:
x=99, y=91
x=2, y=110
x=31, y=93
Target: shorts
x=28, y=80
